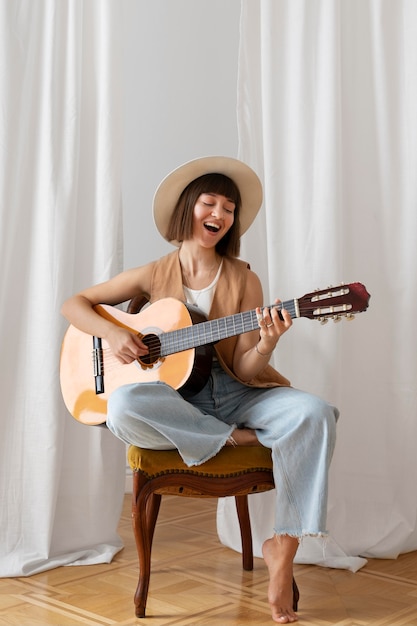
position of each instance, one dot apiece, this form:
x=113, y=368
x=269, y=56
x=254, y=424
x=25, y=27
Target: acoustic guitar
x=180, y=341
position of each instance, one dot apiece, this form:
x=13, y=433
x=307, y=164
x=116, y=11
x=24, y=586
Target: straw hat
x=170, y=189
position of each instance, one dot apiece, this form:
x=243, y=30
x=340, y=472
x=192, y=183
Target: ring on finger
x=269, y=325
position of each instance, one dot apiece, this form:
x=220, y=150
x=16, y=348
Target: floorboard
x=198, y=582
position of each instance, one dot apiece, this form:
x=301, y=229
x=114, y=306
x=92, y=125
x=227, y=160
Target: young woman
x=203, y=208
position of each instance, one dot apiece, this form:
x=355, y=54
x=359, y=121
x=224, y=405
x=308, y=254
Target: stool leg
x=152, y=510
x=145, y=508
x=245, y=531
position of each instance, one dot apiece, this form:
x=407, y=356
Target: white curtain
x=327, y=102
x=61, y=483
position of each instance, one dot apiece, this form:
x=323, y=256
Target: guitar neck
x=213, y=331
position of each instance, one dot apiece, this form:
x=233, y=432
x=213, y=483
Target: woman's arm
x=253, y=350
x=79, y=311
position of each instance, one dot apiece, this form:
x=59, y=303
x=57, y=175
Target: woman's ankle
x=243, y=437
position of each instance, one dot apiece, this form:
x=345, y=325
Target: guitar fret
x=212, y=331
x=207, y=332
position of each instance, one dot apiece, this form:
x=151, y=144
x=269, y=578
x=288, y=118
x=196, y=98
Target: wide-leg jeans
x=298, y=427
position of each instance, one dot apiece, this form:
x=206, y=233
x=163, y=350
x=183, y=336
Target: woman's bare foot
x=279, y=553
x=243, y=437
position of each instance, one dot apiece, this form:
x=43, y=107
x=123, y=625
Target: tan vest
x=167, y=282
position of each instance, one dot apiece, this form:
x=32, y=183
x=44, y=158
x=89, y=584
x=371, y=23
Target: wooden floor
x=198, y=582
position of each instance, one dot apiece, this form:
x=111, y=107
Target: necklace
x=203, y=298
x=205, y=278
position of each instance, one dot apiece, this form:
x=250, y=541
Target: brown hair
x=181, y=223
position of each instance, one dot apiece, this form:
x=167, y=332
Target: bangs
x=219, y=184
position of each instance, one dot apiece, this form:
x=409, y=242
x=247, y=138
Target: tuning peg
x=336, y=318
x=350, y=317
x=323, y=320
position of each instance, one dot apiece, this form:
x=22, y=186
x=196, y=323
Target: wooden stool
x=234, y=471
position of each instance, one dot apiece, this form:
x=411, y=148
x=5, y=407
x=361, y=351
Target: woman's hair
x=181, y=223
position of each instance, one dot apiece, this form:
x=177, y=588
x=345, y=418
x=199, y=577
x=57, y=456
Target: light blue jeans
x=299, y=428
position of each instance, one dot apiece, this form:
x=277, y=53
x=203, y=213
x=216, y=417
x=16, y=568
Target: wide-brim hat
x=170, y=189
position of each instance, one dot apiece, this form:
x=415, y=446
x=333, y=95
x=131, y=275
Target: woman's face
x=213, y=217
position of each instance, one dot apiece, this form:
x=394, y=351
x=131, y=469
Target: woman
x=204, y=207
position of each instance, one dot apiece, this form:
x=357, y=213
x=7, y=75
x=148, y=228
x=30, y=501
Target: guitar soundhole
x=154, y=344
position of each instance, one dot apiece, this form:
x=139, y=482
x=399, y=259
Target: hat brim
x=170, y=189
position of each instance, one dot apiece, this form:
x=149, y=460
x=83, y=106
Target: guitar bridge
x=98, y=368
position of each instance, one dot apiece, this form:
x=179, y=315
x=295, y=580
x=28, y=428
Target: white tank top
x=203, y=298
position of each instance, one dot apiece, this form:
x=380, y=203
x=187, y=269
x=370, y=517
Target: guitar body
x=187, y=370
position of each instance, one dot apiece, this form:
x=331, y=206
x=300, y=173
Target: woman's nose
x=216, y=211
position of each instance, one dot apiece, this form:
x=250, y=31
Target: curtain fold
x=326, y=114
x=61, y=483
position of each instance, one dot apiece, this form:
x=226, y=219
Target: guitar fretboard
x=212, y=331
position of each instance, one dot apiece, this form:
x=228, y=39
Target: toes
x=282, y=617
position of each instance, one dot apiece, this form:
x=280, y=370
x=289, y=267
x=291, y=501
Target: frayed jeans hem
x=212, y=454
x=301, y=535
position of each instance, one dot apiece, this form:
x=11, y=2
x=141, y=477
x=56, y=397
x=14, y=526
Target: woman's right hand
x=125, y=345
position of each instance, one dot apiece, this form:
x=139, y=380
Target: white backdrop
x=326, y=112
x=61, y=483
x=99, y=100
x=330, y=125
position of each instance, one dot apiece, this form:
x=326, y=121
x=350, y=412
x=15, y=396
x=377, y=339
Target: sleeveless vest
x=167, y=282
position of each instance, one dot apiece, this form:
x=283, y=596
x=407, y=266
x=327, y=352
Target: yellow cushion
x=228, y=462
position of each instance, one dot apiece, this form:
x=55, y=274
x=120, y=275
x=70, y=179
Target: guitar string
x=212, y=330
x=202, y=333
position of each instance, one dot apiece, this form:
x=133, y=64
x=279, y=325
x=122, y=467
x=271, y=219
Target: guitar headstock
x=335, y=302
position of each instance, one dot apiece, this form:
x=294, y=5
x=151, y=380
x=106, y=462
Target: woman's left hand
x=272, y=325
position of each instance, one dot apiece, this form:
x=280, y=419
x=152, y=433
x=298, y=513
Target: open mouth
x=211, y=227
